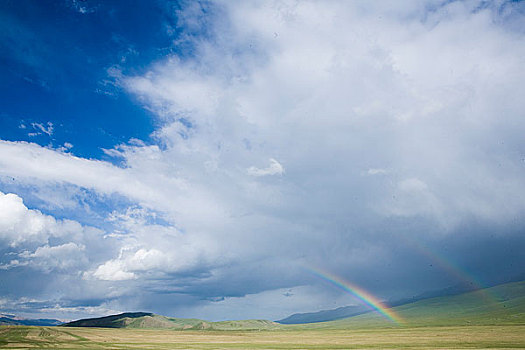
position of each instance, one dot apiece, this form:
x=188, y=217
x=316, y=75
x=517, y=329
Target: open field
x=459, y=337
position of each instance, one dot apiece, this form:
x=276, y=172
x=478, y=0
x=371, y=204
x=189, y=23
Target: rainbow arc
x=361, y=294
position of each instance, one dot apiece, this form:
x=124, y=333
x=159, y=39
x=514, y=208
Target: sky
x=207, y=158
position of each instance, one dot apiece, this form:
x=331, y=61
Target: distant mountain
x=152, y=321
x=324, y=315
x=5, y=321
x=11, y=320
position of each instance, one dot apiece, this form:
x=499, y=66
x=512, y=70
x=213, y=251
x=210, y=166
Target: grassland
x=460, y=337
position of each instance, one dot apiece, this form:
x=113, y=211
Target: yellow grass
x=459, y=337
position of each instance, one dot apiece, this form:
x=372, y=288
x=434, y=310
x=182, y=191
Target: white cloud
x=376, y=171
x=275, y=168
x=22, y=229
x=45, y=129
x=80, y=7
x=129, y=264
x=27, y=160
x=113, y=270
x=19, y=224
x=148, y=167
x=62, y=257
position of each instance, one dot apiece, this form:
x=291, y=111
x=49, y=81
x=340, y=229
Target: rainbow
x=359, y=293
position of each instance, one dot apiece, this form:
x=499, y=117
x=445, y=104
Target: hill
x=500, y=305
x=349, y=311
x=143, y=320
x=112, y=321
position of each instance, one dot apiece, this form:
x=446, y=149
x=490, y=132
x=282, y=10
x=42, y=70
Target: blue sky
x=55, y=62
x=198, y=159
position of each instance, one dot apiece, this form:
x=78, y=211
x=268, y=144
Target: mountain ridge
x=11, y=320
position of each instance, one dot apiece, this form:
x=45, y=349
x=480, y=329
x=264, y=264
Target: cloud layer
x=298, y=134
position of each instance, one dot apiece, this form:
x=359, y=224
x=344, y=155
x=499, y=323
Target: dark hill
x=113, y=321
